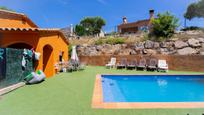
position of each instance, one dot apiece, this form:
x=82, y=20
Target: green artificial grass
x=71, y=94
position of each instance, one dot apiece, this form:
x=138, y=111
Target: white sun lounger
x=163, y=66
x=112, y=63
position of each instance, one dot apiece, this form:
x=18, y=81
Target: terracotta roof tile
x=11, y=12
x=30, y=29
x=133, y=24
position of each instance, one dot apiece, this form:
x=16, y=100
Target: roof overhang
x=134, y=24
x=23, y=16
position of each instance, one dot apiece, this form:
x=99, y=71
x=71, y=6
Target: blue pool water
x=153, y=88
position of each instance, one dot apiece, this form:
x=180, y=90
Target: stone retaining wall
x=193, y=46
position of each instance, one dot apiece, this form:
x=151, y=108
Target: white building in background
x=68, y=32
x=71, y=30
x=101, y=34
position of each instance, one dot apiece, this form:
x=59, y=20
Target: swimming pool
x=152, y=88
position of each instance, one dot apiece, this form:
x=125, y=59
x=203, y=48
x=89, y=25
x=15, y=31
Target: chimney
x=124, y=20
x=151, y=13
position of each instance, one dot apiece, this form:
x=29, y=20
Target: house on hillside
x=19, y=32
x=135, y=27
x=68, y=32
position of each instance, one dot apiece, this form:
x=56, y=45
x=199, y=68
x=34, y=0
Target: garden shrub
x=119, y=41
x=164, y=26
x=99, y=42
x=192, y=28
x=111, y=41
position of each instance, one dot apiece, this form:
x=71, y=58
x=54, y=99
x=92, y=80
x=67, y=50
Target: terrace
x=71, y=93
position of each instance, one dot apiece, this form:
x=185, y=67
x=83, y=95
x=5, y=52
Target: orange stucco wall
x=58, y=45
x=14, y=21
x=38, y=40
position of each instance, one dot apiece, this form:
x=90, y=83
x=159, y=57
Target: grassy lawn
x=71, y=94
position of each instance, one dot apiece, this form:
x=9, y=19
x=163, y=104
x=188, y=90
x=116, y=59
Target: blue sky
x=62, y=13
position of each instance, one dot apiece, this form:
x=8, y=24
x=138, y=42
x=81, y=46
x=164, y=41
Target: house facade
x=135, y=27
x=19, y=32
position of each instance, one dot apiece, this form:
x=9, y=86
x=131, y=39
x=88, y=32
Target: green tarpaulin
x=11, y=71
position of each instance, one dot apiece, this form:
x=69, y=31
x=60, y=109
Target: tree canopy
x=195, y=10
x=90, y=26
x=164, y=26
x=80, y=30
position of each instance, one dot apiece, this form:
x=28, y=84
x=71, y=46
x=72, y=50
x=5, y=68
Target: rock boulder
x=180, y=44
x=149, y=51
x=186, y=51
x=156, y=45
x=194, y=43
x=139, y=46
x=166, y=44
x=149, y=44
x=201, y=40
